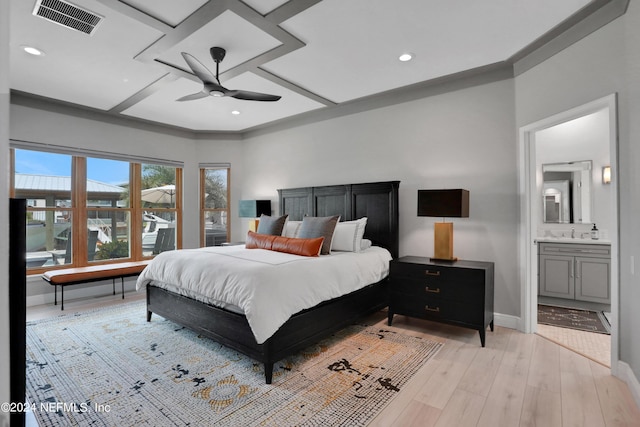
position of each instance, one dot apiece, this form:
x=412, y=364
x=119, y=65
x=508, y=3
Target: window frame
x=79, y=209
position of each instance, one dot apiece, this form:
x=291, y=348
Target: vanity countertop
x=579, y=241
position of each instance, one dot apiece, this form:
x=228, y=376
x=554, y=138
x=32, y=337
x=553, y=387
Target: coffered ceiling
x=316, y=54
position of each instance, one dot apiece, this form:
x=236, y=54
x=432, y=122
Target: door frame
x=527, y=248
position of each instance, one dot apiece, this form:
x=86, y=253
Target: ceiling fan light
x=235, y=112
x=216, y=93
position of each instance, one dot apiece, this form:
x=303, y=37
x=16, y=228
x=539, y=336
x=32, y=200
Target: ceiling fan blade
x=200, y=70
x=193, y=96
x=252, y=96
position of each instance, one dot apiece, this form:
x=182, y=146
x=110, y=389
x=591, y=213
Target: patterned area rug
x=110, y=367
x=583, y=320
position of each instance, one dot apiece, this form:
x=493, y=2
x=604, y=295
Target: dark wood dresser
x=459, y=293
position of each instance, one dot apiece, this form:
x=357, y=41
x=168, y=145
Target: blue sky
x=40, y=163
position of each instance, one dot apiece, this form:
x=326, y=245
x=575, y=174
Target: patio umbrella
x=163, y=194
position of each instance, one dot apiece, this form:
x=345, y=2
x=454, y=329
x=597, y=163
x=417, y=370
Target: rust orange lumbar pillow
x=290, y=245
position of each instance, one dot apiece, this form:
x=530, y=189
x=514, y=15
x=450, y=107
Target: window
x=87, y=210
x=159, y=202
x=108, y=213
x=214, y=206
x=44, y=179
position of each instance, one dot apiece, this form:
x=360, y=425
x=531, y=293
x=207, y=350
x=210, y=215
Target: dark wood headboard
x=378, y=201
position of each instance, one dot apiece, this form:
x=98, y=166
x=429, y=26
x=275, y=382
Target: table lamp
x=253, y=209
x=443, y=203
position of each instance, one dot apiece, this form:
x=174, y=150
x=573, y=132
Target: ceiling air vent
x=67, y=15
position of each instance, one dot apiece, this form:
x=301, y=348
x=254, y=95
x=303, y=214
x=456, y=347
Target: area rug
x=583, y=320
x=110, y=367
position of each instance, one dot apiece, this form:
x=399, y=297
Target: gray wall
x=460, y=139
x=605, y=62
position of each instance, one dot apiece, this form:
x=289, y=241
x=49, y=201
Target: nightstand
x=459, y=293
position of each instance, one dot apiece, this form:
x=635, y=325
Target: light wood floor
x=516, y=380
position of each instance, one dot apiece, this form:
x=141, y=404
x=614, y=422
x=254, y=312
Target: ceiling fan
x=212, y=84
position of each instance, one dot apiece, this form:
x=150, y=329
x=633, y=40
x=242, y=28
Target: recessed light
x=235, y=112
x=32, y=50
x=406, y=57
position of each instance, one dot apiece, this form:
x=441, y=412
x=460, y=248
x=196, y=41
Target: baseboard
x=625, y=373
x=506, y=321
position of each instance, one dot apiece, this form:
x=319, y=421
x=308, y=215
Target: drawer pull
x=437, y=309
x=431, y=273
x=435, y=291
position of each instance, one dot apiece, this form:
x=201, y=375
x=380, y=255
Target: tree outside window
x=214, y=212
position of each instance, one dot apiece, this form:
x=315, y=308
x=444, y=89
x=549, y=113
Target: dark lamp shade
x=443, y=203
x=254, y=208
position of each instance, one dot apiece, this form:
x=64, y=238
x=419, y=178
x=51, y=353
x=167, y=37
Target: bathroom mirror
x=566, y=192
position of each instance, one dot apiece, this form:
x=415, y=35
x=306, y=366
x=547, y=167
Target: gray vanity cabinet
x=575, y=271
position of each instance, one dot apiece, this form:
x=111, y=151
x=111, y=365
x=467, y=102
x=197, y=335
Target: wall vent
x=67, y=15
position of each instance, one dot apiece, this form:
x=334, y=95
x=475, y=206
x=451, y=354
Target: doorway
x=530, y=179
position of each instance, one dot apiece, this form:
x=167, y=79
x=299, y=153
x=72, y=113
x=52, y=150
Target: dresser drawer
x=469, y=313
x=464, y=288
x=435, y=273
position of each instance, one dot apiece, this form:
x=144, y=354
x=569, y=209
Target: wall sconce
x=443, y=203
x=253, y=209
x=606, y=175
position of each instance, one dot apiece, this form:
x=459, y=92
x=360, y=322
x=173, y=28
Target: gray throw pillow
x=271, y=224
x=319, y=226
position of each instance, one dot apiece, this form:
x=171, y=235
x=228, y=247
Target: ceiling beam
x=291, y=86
x=144, y=93
x=136, y=14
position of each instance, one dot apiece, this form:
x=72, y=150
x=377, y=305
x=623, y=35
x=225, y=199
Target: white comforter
x=267, y=286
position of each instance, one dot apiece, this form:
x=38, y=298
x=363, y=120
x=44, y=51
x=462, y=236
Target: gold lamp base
x=443, y=242
x=253, y=225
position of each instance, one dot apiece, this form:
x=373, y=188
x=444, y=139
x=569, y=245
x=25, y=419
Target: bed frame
x=377, y=201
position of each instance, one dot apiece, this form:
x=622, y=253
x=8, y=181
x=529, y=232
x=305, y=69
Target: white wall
x=4, y=208
x=605, y=62
x=461, y=139
x=584, y=138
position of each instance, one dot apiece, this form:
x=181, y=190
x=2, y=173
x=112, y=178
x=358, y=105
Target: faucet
x=573, y=233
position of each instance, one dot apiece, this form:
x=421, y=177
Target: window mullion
x=178, y=208
x=79, y=202
x=135, y=173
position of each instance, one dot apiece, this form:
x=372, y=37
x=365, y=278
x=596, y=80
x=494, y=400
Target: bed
x=376, y=201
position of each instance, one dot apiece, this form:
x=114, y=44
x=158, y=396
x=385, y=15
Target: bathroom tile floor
x=594, y=346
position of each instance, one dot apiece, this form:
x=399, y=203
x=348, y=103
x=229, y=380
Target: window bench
x=78, y=275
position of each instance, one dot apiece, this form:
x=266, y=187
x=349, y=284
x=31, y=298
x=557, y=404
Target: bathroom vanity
x=577, y=269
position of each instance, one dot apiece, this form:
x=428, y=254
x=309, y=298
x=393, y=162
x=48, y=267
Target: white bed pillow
x=365, y=244
x=348, y=235
x=291, y=228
